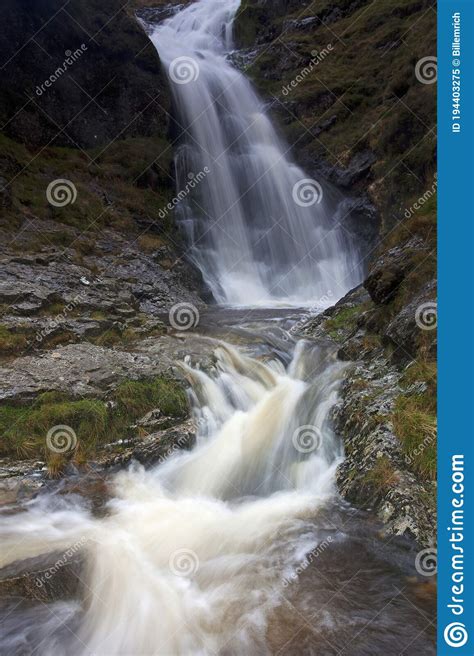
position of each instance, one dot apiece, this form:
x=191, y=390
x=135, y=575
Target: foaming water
x=261, y=233
x=192, y=555
x=239, y=546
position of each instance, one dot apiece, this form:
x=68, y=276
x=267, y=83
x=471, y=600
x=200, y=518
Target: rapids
x=239, y=546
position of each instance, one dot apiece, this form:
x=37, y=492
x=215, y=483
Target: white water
x=194, y=554
x=254, y=226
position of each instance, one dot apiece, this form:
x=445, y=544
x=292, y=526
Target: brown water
x=241, y=546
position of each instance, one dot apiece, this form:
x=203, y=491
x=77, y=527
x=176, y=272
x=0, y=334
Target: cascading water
x=240, y=546
x=193, y=555
x=237, y=547
x=261, y=232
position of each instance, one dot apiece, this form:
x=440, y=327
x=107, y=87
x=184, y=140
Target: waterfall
x=259, y=228
x=195, y=554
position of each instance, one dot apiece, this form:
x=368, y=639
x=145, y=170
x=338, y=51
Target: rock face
x=377, y=473
x=340, y=79
x=81, y=75
x=87, y=285
x=389, y=270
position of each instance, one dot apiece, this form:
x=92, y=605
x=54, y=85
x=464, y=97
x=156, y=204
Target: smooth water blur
x=261, y=234
x=201, y=543
x=239, y=546
x=242, y=545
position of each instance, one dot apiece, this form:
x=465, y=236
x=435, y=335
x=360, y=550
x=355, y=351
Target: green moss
x=53, y=309
x=137, y=397
x=93, y=421
x=24, y=431
x=344, y=320
x=122, y=186
x=415, y=420
x=12, y=342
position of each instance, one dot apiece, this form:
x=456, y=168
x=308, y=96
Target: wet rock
x=358, y=168
x=390, y=269
x=45, y=578
x=315, y=327
x=151, y=420
x=405, y=332
x=116, y=65
x=301, y=24
x=154, y=449
x=375, y=474
x=78, y=369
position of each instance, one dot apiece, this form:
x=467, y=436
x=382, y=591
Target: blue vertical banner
x=456, y=327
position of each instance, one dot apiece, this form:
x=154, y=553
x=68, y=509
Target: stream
x=241, y=545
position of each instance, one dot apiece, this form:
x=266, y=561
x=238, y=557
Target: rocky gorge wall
x=90, y=257
x=351, y=85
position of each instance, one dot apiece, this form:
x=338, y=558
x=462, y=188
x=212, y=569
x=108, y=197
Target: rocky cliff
x=90, y=257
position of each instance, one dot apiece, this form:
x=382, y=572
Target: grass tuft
x=93, y=421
